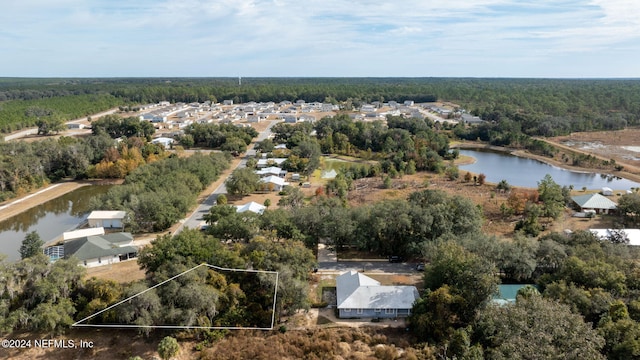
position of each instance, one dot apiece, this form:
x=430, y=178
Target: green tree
x=469, y=276
x=51, y=124
x=503, y=186
x=267, y=203
x=550, y=193
x=629, y=207
x=31, y=245
x=234, y=145
x=168, y=348
x=536, y=328
x=292, y=197
x=242, y=182
x=452, y=172
x=265, y=146
x=221, y=199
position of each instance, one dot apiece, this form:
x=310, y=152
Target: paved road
x=368, y=266
x=194, y=220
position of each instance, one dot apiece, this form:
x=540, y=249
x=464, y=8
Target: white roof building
x=166, y=142
x=632, y=234
x=276, y=182
x=76, y=234
x=251, y=206
x=108, y=219
x=364, y=294
x=272, y=170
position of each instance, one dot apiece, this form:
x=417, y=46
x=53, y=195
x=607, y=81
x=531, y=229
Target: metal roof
x=107, y=215
x=358, y=291
x=594, y=201
x=91, y=247
x=251, y=206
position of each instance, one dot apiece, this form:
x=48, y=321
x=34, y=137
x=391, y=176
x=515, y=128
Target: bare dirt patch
x=619, y=145
x=122, y=272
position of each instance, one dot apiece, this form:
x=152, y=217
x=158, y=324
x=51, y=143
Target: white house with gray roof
x=596, y=202
x=98, y=250
x=359, y=296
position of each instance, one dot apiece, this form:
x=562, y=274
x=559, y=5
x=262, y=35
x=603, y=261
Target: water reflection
x=49, y=219
x=520, y=171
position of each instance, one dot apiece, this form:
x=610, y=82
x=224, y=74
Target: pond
x=49, y=219
x=519, y=171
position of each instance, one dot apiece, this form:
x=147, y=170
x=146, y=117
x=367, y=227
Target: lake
x=49, y=219
x=519, y=171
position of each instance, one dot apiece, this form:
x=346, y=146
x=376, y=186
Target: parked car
x=395, y=258
x=420, y=267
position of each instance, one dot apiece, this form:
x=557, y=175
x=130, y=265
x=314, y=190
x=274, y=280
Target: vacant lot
x=620, y=145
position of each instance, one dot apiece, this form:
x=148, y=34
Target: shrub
x=168, y=347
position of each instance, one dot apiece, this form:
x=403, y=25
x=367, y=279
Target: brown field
x=370, y=190
x=606, y=145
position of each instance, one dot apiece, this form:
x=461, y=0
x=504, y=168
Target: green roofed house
x=595, y=202
x=98, y=250
x=507, y=293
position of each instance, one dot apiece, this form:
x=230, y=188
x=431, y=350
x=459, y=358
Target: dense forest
x=541, y=106
x=582, y=302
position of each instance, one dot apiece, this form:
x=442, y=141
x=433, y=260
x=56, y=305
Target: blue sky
x=409, y=38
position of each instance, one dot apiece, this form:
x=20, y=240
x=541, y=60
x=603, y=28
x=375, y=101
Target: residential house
x=97, y=250
x=107, y=219
x=164, y=141
x=596, y=202
x=359, y=296
x=262, y=163
x=307, y=118
x=290, y=119
x=471, y=120
x=272, y=170
x=367, y=108
x=252, y=206
x=273, y=183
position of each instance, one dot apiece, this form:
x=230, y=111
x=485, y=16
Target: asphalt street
x=368, y=266
x=194, y=220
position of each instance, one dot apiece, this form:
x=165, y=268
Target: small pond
x=519, y=171
x=49, y=219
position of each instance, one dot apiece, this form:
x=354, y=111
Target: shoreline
x=15, y=206
x=525, y=154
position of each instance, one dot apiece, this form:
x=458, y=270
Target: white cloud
x=315, y=37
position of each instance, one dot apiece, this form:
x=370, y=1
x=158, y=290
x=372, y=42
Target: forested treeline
x=38, y=295
x=157, y=195
x=26, y=166
x=541, y=106
x=18, y=114
x=403, y=146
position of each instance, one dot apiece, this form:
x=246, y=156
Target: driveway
x=369, y=266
